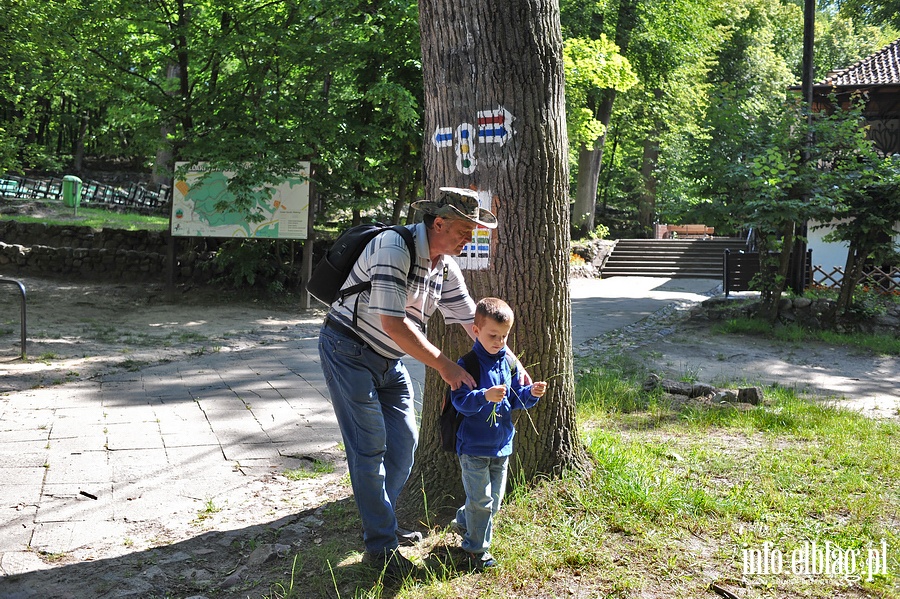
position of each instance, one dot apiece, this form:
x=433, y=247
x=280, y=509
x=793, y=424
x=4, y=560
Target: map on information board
x=283, y=215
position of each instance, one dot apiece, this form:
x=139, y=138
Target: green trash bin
x=71, y=191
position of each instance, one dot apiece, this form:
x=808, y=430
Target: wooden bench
x=673, y=231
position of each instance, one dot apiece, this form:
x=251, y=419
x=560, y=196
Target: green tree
x=596, y=20
x=256, y=88
x=662, y=41
x=782, y=179
x=594, y=71
x=877, y=12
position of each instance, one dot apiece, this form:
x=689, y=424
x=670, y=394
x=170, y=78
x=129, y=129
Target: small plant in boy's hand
x=495, y=394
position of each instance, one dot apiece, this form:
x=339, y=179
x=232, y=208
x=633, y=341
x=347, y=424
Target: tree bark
x=647, y=197
x=590, y=163
x=852, y=275
x=478, y=56
x=772, y=296
x=649, y=160
x=587, y=181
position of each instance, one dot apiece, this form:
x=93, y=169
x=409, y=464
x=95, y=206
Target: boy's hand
x=495, y=394
x=539, y=388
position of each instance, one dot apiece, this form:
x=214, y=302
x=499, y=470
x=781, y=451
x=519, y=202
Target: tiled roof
x=881, y=68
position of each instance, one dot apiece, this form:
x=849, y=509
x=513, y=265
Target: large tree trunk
x=164, y=165
x=649, y=160
x=481, y=56
x=647, y=197
x=590, y=162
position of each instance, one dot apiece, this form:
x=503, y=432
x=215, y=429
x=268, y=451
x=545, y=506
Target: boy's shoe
x=408, y=538
x=393, y=563
x=482, y=561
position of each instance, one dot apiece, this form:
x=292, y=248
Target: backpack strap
x=470, y=363
x=407, y=236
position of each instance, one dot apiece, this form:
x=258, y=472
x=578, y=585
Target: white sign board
x=476, y=254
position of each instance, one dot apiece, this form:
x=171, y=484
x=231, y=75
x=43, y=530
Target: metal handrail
x=22, y=309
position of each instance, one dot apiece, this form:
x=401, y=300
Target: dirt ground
x=79, y=330
x=841, y=376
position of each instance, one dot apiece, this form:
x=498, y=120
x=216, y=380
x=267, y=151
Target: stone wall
x=594, y=253
x=109, y=254
x=59, y=236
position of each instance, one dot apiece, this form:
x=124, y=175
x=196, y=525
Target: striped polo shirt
x=386, y=262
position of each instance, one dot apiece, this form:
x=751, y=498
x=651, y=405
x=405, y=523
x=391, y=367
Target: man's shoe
x=408, y=538
x=393, y=563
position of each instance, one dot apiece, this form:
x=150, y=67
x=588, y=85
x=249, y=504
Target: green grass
x=317, y=468
x=97, y=218
x=679, y=498
x=881, y=344
x=720, y=480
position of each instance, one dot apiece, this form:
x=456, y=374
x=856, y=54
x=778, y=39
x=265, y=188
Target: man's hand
x=455, y=375
x=539, y=388
x=413, y=342
x=495, y=394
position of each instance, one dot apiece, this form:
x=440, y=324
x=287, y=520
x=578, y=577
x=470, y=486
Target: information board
x=283, y=215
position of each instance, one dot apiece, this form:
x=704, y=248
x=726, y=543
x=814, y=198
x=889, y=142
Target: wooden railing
x=875, y=277
x=739, y=268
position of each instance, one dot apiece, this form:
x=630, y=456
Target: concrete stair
x=672, y=258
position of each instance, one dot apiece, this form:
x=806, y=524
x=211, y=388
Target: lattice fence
x=134, y=197
x=876, y=277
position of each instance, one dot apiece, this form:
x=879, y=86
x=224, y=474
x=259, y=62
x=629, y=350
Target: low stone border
x=818, y=314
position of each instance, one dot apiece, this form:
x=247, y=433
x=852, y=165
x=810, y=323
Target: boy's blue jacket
x=480, y=432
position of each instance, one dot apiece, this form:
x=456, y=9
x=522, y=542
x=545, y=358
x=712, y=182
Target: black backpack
x=333, y=269
x=449, y=419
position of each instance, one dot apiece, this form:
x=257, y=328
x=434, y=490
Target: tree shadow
x=315, y=553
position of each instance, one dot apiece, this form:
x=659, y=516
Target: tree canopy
x=671, y=93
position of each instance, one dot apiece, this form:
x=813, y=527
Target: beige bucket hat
x=458, y=203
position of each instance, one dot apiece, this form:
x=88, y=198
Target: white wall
x=827, y=255
x=831, y=255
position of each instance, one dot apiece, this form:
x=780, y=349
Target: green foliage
x=592, y=66
x=254, y=263
x=842, y=39
x=872, y=11
x=599, y=232
x=254, y=88
x=245, y=87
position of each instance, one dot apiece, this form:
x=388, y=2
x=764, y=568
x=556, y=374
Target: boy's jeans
x=372, y=397
x=484, y=480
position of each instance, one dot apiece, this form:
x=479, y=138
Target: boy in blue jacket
x=485, y=437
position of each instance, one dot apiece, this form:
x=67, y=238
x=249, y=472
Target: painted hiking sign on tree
x=495, y=112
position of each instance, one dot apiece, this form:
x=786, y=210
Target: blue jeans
x=484, y=480
x=372, y=397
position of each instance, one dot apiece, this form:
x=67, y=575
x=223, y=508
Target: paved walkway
x=81, y=463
